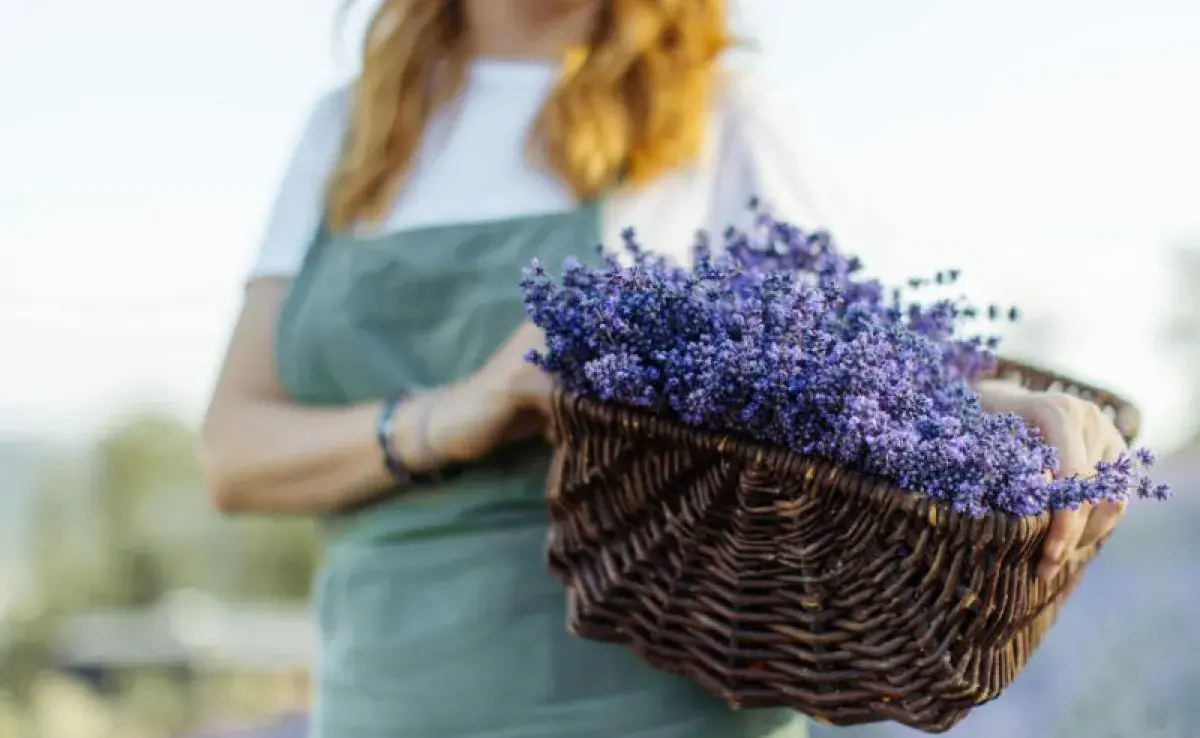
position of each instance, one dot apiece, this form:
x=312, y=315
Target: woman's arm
x=264, y=453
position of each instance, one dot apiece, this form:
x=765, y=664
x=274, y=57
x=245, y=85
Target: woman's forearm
x=278, y=457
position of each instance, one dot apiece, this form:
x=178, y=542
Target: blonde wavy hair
x=629, y=106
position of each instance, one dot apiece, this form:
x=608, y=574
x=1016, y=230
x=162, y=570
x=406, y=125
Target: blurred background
x=1050, y=150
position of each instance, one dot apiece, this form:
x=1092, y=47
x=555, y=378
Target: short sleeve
x=300, y=201
x=762, y=155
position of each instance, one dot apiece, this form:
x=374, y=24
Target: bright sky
x=1050, y=149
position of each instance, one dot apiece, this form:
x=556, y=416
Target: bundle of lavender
x=774, y=477
x=779, y=337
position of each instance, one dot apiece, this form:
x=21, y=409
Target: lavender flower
x=779, y=337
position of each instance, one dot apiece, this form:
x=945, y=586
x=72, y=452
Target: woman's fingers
x=526, y=424
x=1057, y=418
x=1066, y=528
x=532, y=389
x=527, y=336
x=1082, y=436
x=1104, y=516
x=1101, y=522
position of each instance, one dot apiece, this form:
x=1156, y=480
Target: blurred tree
x=130, y=521
x=24, y=652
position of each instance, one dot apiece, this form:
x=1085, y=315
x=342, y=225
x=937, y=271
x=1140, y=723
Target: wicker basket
x=776, y=580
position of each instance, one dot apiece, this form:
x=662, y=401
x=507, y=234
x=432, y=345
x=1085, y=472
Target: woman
x=376, y=374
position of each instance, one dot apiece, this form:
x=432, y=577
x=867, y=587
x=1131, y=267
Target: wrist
x=399, y=439
x=411, y=435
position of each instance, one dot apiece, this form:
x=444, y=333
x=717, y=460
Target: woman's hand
x=508, y=399
x=1083, y=436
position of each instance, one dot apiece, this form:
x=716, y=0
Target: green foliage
x=129, y=521
x=24, y=649
x=126, y=521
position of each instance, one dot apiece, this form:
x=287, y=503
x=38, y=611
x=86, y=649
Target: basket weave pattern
x=776, y=580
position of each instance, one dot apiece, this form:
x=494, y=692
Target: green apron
x=436, y=616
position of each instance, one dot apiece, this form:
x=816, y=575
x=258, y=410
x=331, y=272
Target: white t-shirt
x=474, y=165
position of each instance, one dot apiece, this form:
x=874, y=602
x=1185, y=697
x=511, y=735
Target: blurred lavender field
x=1123, y=660
x=287, y=726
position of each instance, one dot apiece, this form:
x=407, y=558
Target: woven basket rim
x=873, y=489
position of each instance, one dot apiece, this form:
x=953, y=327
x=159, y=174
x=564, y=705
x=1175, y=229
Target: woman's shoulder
x=761, y=141
x=745, y=97
x=750, y=152
x=324, y=127
x=328, y=116
x=299, y=200
x=771, y=143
